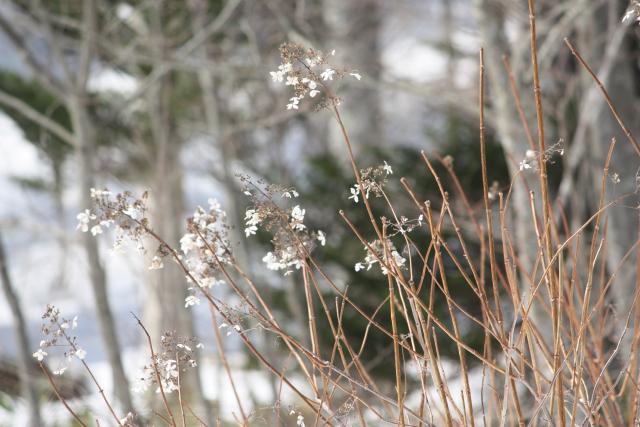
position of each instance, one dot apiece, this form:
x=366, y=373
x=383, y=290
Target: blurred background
x=174, y=97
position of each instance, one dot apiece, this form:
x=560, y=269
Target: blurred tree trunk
x=600, y=38
x=27, y=381
x=84, y=133
x=164, y=309
x=596, y=32
x=510, y=132
x=355, y=29
x=221, y=140
x=71, y=89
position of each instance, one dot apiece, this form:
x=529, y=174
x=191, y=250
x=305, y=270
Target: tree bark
x=355, y=26
x=511, y=135
x=83, y=133
x=27, y=381
x=167, y=289
x=622, y=224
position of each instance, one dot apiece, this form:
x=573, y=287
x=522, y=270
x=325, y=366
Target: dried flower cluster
x=307, y=70
x=175, y=357
x=125, y=211
x=299, y=417
x=375, y=251
x=404, y=225
x=205, y=248
x=292, y=240
x=633, y=12
x=55, y=333
x=530, y=161
x=373, y=180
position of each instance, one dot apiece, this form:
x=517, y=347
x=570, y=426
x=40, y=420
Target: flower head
x=40, y=355
x=80, y=353
x=327, y=74
x=190, y=301
x=83, y=220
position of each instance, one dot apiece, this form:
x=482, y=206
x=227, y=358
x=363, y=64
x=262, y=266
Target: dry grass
x=569, y=375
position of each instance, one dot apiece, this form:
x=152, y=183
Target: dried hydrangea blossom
x=129, y=420
x=530, y=161
x=56, y=334
x=404, y=225
x=299, y=417
x=291, y=239
x=206, y=246
x=375, y=251
x=373, y=181
x=308, y=71
x=632, y=13
x=177, y=354
x=236, y=317
x=191, y=301
x=125, y=211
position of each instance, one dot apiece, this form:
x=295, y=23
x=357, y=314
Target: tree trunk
x=167, y=288
x=510, y=132
x=622, y=225
x=84, y=136
x=355, y=26
x=27, y=381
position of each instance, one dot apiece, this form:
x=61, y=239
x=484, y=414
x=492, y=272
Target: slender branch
x=607, y=98
x=62, y=399
x=38, y=118
x=40, y=72
x=154, y=363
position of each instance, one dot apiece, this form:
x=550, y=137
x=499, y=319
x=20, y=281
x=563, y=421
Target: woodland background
x=175, y=97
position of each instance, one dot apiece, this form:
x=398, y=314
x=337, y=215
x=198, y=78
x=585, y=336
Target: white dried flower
x=293, y=105
x=133, y=212
x=355, y=191
x=60, y=371
x=83, y=220
x=327, y=74
x=188, y=243
x=156, y=263
x=81, y=354
x=322, y=238
x=297, y=213
x=191, y=301
x=615, y=178
x=40, y=355
x=387, y=168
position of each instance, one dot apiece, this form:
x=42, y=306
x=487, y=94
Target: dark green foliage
x=38, y=98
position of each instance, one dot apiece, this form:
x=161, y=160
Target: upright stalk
x=547, y=218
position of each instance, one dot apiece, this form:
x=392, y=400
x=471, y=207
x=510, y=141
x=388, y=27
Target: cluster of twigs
x=529, y=375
